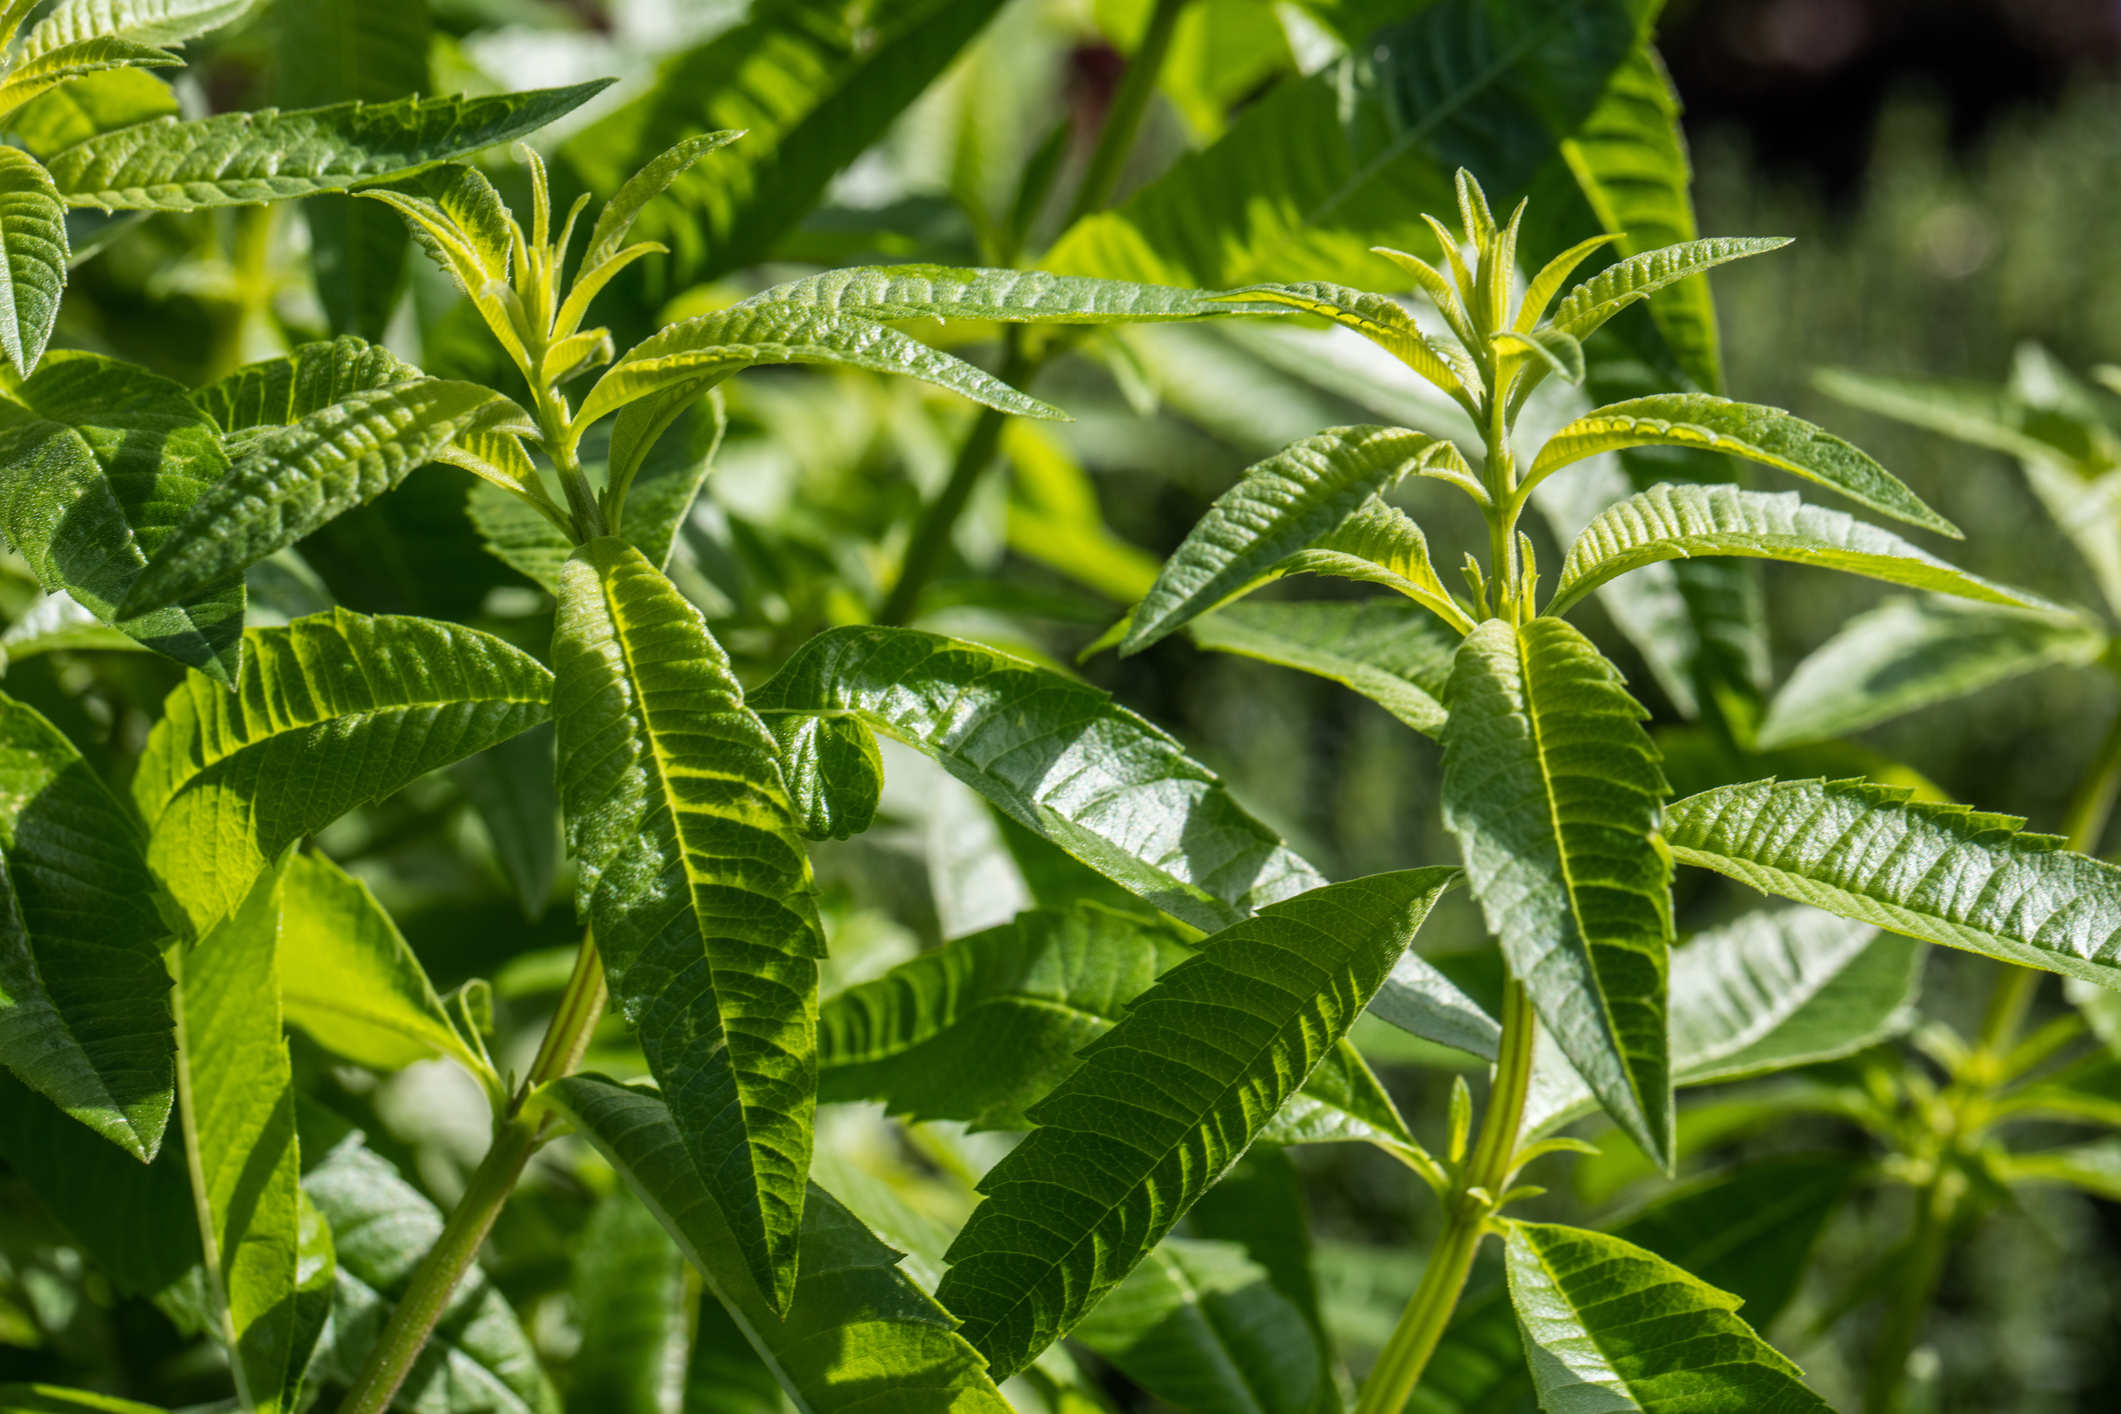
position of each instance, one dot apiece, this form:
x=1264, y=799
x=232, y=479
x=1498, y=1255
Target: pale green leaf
x=1942, y=873
x=234, y=159
x=1011, y=296
x=644, y=186
x=1679, y=522
x=84, y=997
x=33, y=256
x=1553, y=790
x=1423, y=1002
x=1585, y=309
x=95, y=103
x=1165, y=1102
x=511, y=785
x=1549, y=349
x=1379, y=544
x=1970, y=412
x=1766, y=435
x=693, y=876
x=329, y=712
x=859, y=1334
x=1343, y=1102
x=2094, y=1168
x=1392, y=652
x=1611, y=1329
x=1056, y=755
x=54, y=622
x=1911, y=653
x=143, y=21
x=2101, y=1008
x=31, y=78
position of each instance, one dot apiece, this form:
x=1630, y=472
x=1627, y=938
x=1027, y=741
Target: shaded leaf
x=2094, y=1168
x=1392, y=652
x=511, y=784
x=33, y=257
x=628, y=1295
x=94, y=103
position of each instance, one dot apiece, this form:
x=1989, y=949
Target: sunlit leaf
x=33, y=256
x=1012, y=296
x=1392, y=652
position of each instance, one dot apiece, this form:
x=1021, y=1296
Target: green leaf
x=33, y=256
x=1585, y=309
x=1552, y=350
x=142, y=21
x=84, y=997
x=1380, y=545
x=31, y=78
x=479, y=1360
x=1280, y=506
x=60, y=1399
x=234, y=159
x=1199, y=1326
x=1383, y=322
x=644, y=186
x=99, y=461
x=92, y=104
x=1970, y=412
x=2095, y=1168
x=1942, y=873
x=1392, y=652
x=239, y=1120
x=1677, y=522
x=1167, y=1101
x=1766, y=435
x=1553, y=789
x=1056, y=755
x=1609, y=1327
x=698, y=353
x=511, y=785
x=289, y=481
x=55, y=623
x=330, y=711
x=1011, y=296
x=1911, y=653
x=1750, y=1230
x=628, y=1297
x=1423, y=1002
x=1343, y=1102
x=724, y=1375
x=279, y=392
x=835, y=775
x=858, y=1335
x=1260, y=1204
x=693, y=876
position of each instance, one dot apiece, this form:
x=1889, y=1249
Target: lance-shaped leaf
x=64, y=1399
x=479, y=1357
x=330, y=711
x=235, y=159
x=1379, y=544
x=1011, y=296
x=1200, y=1326
x=1943, y=873
x=1165, y=1102
x=697, y=353
x=2095, y=1167
x=1910, y=653
x=1766, y=435
x=276, y=392
x=288, y=481
x=1392, y=652
x=1343, y=1102
x=1384, y=323
x=31, y=78
x=1553, y=788
x=1059, y=757
x=1680, y=522
x=1585, y=309
x=1423, y=1002
x=33, y=256
x=99, y=462
x=239, y=1126
x=644, y=186
x=142, y=21
x=1280, y=506
x=1612, y=1328
x=693, y=876
x=858, y=1335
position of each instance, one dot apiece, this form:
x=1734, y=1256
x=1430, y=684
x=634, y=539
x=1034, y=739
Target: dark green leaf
x=511, y=785
x=33, y=256
x=61, y=1399
x=628, y=1296
x=835, y=775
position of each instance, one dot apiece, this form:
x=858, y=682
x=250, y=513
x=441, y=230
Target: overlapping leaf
x=694, y=879
x=1012, y=296
x=277, y=392
x=1056, y=755
x=33, y=256
x=1392, y=652
x=142, y=21
x=628, y=1294
x=511, y=785
x=1379, y=544
x=1165, y=1102
x=95, y=103
x=329, y=712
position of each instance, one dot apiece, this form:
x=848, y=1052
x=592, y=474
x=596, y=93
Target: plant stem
x=1123, y=118
x=515, y=1139
x=1443, y=1280
x=1911, y=1298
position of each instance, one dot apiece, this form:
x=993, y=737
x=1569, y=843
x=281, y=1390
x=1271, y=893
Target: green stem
x=515, y=1139
x=2093, y=804
x=1911, y=1298
x=1443, y=1280
x=1123, y=119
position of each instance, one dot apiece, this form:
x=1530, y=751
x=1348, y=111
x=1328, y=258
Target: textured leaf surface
x=1392, y=652
x=858, y=1335
x=1766, y=435
x=694, y=878
x=84, y=997
x=1423, y=1002
x=1585, y=309
x=33, y=256
x=1553, y=788
x=1911, y=653
x=1383, y=322
x=1610, y=1327
x=237, y=158
x=1165, y=1102
x=1279, y=506
x=99, y=462
x=1013, y=296
x=277, y=392
x=1678, y=522
x=142, y=21
x=834, y=772
x=1059, y=757
x=330, y=711
x=1379, y=544
x=1942, y=873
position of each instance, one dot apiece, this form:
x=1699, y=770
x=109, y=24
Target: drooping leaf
x=628, y=1294
x=834, y=773
x=1421, y=1001
x=1200, y=1326
x=693, y=876
x=1011, y=296
x=278, y=392
x=33, y=256
x=99, y=462
x=1379, y=544
x=330, y=711
x=858, y=1335
x=1280, y=506
x=1766, y=435
x=1392, y=652
x=511, y=785
x=84, y=997
x=1383, y=322
x=1553, y=788
x=1165, y=1102
x=1911, y=653
x=233, y=159
x=1057, y=756
x=1942, y=873
x=1677, y=522
x=288, y=481
x=1611, y=1327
